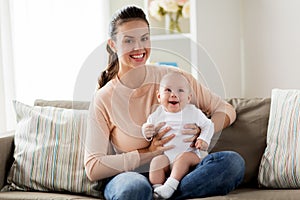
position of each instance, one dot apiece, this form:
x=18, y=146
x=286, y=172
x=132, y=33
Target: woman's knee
x=235, y=163
x=128, y=185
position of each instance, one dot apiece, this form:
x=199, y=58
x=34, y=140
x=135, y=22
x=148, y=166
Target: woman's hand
x=157, y=145
x=193, y=130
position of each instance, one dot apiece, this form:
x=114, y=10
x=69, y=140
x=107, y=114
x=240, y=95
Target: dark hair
x=125, y=14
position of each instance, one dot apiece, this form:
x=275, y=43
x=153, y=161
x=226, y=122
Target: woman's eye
x=145, y=38
x=129, y=41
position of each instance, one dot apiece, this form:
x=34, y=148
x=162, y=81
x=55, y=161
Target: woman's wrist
x=146, y=155
x=220, y=120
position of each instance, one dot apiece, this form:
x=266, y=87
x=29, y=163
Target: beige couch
x=246, y=136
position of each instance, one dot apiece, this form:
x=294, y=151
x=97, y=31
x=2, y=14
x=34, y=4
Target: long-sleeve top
x=117, y=113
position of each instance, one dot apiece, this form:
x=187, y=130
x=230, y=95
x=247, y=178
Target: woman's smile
x=139, y=57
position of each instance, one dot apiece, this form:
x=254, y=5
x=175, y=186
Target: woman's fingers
x=168, y=147
x=191, y=139
x=160, y=140
x=163, y=132
x=159, y=126
x=193, y=130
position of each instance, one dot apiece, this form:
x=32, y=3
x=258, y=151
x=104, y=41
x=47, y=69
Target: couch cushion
x=257, y=194
x=49, y=151
x=78, y=105
x=13, y=195
x=6, y=156
x=280, y=164
x=247, y=135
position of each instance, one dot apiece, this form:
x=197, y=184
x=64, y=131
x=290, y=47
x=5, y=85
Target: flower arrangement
x=172, y=9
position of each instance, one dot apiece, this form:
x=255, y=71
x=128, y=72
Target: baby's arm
x=201, y=144
x=148, y=131
x=207, y=131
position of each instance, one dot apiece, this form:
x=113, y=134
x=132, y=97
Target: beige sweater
x=117, y=113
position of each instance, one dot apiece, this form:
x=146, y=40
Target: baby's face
x=174, y=93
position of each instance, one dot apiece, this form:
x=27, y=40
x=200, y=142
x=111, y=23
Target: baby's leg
x=180, y=168
x=183, y=163
x=159, y=166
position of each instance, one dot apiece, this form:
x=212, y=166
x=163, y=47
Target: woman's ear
x=112, y=45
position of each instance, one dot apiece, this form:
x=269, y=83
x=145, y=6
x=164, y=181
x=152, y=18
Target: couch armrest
x=6, y=156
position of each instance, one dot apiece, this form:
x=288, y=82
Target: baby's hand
x=148, y=131
x=201, y=144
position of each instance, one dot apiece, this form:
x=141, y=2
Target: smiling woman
x=115, y=146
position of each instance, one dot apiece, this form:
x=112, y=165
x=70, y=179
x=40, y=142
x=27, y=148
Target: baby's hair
x=180, y=77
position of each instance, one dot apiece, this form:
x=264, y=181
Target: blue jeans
x=217, y=174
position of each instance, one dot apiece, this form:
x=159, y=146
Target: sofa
x=247, y=136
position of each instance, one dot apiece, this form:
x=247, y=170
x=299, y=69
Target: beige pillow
x=280, y=164
x=49, y=151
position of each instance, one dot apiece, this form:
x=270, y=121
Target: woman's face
x=132, y=44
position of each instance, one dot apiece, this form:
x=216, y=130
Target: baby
x=175, y=110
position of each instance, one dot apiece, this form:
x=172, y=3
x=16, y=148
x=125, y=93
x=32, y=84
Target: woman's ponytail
x=112, y=68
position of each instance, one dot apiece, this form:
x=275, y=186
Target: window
x=52, y=39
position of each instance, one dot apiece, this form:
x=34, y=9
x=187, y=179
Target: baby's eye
x=181, y=90
x=168, y=90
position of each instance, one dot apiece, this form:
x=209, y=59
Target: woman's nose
x=137, y=45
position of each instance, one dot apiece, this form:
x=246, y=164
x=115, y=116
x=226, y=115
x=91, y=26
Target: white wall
x=218, y=31
x=272, y=46
x=254, y=43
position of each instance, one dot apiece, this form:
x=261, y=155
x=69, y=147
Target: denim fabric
x=217, y=174
x=128, y=186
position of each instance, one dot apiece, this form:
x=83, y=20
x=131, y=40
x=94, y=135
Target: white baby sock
x=167, y=189
x=156, y=185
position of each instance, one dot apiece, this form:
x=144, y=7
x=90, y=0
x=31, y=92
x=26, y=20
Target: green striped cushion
x=49, y=151
x=280, y=164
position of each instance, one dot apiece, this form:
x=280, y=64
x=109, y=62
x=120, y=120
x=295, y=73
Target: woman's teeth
x=138, y=56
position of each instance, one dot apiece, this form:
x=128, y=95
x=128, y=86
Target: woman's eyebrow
x=129, y=36
x=145, y=34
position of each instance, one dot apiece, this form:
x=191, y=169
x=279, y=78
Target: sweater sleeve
x=100, y=160
x=208, y=101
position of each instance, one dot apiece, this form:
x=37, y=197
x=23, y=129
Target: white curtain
x=7, y=87
x=43, y=46
x=52, y=39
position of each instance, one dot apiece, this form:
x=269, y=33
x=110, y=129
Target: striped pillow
x=49, y=151
x=280, y=164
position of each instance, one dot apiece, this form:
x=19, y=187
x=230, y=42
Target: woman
x=115, y=147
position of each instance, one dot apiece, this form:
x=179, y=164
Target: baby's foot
x=163, y=192
x=166, y=191
x=156, y=185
